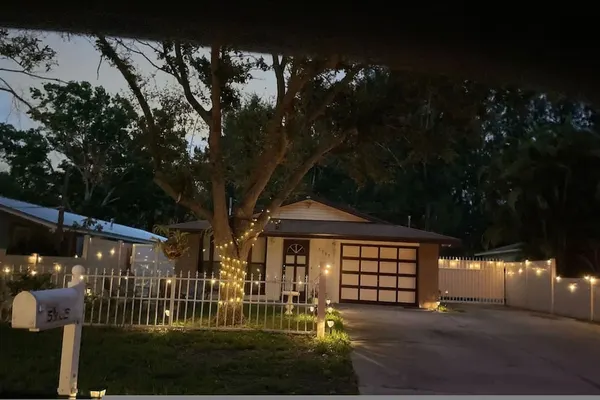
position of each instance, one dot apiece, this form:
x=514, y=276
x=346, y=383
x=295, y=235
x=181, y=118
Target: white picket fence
x=186, y=301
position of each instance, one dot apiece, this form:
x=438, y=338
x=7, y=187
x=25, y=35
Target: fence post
x=592, y=281
x=172, y=287
x=552, y=283
x=321, y=312
x=120, y=255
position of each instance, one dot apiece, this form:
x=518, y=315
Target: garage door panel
x=388, y=253
x=406, y=297
x=351, y=251
x=407, y=283
x=350, y=265
x=387, y=296
x=407, y=268
x=368, y=294
x=407, y=254
x=368, y=266
x=387, y=267
x=387, y=281
x=369, y=252
x=368, y=280
x=350, y=279
x=350, y=293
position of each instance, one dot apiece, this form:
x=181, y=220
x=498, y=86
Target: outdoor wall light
x=167, y=313
x=112, y=252
x=168, y=281
x=558, y=278
x=312, y=309
x=6, y=270
x=99, y=255
x=57, y=267
x=330, y=323
x=520, y=270
x=572, y=287
x=328, y=301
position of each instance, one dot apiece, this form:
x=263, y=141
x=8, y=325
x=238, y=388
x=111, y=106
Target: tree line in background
x=489, y=165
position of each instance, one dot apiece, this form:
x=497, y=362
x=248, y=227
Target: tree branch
x=10, y=90
x=184, y=81
x=32, y=75
x=296, y=177
x=150, y=128
x=277, y=140
x=333, y=91
x=162, y=181
x=132, y=81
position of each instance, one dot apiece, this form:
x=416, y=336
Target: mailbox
x=47, y=309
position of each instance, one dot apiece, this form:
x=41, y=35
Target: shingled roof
x=338, y=230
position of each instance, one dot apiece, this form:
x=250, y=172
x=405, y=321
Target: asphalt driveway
x=483, y=350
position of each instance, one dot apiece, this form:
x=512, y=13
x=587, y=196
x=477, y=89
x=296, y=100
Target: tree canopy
x=489, y=165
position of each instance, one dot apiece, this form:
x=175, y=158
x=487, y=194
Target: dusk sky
x=78, y=60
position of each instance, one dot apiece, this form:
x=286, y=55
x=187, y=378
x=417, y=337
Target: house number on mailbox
x=53, y=315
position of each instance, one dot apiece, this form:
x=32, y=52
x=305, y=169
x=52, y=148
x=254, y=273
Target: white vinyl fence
x=192, y=301
x=531, y=285
x=471, y=281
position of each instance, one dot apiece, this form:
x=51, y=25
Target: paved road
x=483, y=350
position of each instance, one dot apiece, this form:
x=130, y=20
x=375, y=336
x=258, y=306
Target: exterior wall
x=327, y=251
x=312, y=210
x=427, y=281
x=189, y=261
x=4, y=232
x=323, y=251
x=41, y=239
x=100, y=254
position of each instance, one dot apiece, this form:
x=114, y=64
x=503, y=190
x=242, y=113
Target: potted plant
x=176, y=244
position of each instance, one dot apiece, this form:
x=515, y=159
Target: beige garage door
x=378, y=274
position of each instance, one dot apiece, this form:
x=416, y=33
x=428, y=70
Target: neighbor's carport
x=483, y=350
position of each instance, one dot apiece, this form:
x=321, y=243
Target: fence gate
x=471, y=281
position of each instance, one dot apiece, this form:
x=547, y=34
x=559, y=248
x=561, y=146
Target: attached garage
x=378, y=274
x=369, y=260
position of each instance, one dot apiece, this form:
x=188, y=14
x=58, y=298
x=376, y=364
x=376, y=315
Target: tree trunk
x=234, y=262
x=61, y=216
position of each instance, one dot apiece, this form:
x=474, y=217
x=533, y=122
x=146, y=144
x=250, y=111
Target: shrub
x=26, y=281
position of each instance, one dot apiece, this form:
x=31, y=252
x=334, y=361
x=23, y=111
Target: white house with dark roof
x=371, y=261
x=27, y=228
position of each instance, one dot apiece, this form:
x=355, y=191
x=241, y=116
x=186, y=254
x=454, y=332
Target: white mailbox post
x=55, y=308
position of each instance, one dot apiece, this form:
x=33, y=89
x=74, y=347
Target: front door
x=295, y=266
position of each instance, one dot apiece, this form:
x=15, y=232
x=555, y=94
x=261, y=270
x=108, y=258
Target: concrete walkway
x=483, y=350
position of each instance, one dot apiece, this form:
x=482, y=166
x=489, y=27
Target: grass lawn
x=152, y=313
x=180, y=362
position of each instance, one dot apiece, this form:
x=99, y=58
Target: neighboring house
x=510, y=253
x=27, y=228
x=371, y=261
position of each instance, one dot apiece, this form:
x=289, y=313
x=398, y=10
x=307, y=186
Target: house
x=27, y=229
x=371, y=261
x=509, y=253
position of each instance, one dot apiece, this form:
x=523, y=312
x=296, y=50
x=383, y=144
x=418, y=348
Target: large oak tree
x=302, y=126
